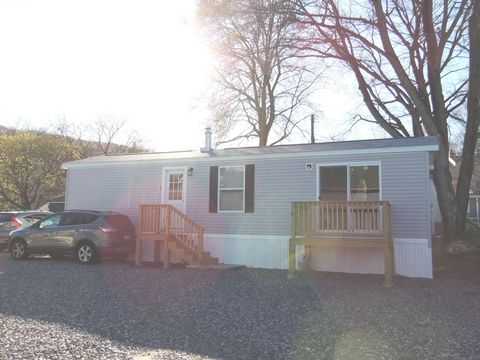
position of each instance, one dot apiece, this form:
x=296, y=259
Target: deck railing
x=340, y=218
x=164, y=219
x=361, y=224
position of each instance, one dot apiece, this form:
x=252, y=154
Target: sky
x=142, y=61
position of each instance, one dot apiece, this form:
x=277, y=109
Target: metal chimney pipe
x=208, y=140
x=312, y=129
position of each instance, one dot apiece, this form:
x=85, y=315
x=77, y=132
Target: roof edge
x=305, y=154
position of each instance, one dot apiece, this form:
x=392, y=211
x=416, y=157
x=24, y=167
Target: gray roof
x=427, y=143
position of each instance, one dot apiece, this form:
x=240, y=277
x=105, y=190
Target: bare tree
x=103, y=131
x=74, y=134
x=112, y=136
x=261, y=87
x=410, y=59
x=104, y=136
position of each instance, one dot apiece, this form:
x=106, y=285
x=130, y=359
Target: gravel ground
x=57, y=309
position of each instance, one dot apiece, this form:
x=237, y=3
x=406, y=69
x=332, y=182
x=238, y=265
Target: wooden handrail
x=191, y=231
x=167, y=219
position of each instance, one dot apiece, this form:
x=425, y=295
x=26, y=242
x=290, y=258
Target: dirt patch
x=464, y=266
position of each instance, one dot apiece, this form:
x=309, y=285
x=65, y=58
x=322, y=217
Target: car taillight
x=15, y=223
x=107, y=228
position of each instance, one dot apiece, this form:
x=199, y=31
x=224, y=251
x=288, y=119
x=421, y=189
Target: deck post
x=167, y=255
x=388, y=261
x=200, y=246
x=292, y=243
x=156, y=251
x=291, y=255
x=138, y=251
x=167, y=245
x=138, y=240
x=388, y=257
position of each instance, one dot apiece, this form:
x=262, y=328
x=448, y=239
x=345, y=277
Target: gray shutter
x=213, y=191
x=249, y=188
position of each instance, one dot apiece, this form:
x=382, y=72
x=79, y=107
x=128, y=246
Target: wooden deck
x=359, y=224
x=179, y=234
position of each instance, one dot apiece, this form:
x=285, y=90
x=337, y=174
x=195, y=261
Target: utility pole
x=312, y=129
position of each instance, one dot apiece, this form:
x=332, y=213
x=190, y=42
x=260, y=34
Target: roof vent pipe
x=208, y=141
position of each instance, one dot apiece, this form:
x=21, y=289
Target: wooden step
x=184, y=253
x=181, y=250
x=209, y=261
x=152, y=236
x=191, y=258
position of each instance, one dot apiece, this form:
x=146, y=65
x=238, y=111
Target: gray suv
x=85, y=234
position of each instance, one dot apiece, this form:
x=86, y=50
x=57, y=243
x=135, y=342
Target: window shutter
x=249, y=188
x=213, y=192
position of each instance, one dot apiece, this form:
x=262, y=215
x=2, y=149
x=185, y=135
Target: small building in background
x=54, y=205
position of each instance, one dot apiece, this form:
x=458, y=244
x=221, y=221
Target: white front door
x=174, y=188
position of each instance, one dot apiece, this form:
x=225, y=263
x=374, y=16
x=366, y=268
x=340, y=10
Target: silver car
x=85, y=234
x=12, y=220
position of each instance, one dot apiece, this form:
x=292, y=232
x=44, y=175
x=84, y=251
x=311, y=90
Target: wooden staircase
x=175, y=245
x=181, y=236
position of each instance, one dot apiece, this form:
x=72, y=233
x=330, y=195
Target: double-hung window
x=231, y=188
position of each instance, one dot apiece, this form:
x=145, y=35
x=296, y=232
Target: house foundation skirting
x=413, y=257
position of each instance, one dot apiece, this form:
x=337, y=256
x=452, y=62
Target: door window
x=50, y=222
x=175, y=186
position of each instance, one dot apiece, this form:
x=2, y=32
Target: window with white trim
x=231, y=188
x=349, y=182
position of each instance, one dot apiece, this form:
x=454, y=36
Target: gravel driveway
x=57, y=309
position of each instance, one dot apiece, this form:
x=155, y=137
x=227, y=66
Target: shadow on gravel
x=229, y=314
x=247, y=314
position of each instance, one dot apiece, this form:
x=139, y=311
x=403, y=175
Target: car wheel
x=86, y=253
x=19, y=249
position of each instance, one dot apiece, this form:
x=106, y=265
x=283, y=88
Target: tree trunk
x=262, y=133
x=446, y=195
x=262, y=140
x=473, y=121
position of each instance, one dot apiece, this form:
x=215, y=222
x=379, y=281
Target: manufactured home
x=245, y=205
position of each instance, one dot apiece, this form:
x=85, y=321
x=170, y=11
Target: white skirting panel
x=262, y=251
x=147, y=250
x=350, y=260
x=413, y=258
